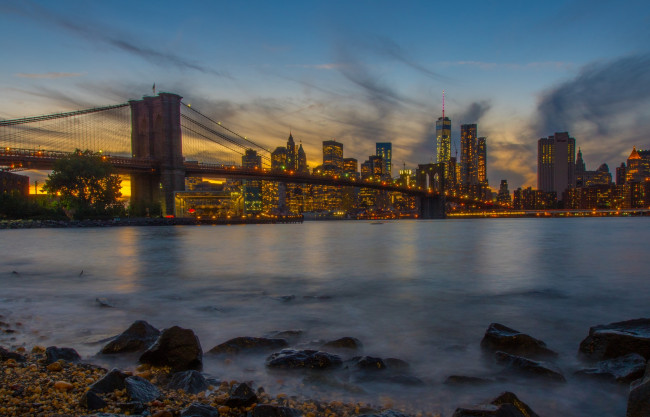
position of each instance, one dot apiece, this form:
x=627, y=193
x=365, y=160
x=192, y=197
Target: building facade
x=556, y=161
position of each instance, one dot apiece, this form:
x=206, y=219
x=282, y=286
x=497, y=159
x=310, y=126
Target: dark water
x=422, y=291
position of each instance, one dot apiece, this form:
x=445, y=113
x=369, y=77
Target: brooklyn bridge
x=160, y=140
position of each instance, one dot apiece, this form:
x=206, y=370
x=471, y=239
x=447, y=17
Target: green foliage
x=86, y=185
x=17, y=206
x=139, y=209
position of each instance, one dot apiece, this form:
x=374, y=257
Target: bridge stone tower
x=156, y=134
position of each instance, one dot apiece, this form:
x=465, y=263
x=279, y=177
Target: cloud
x=474, y=112
x=93, y=31
x=605, y=107
x=50, y=75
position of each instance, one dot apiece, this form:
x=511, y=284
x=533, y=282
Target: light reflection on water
x=424, y=291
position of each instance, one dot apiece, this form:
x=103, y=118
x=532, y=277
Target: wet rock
x=505, y=405
x=140, y=390
x=320, y=381
x=53, y=354
x=247, y=344
x=290, y=335
x=638, y=401
x=395, y=364
x=266, y=410
x=189, y=381
x=54, y=367
x=133, y=407
x=400, y=379
x=311, y=359
x=139, y=336
x=103, y=302
x=92, y=401
x=467, y=380
x=366, y=363
x=350, y=343
x=114, y=380
x=241, y=395
x=63, y=386
x=521, y=365
x=624, y=369
x=387, y=413
x=5, y=355
x=199, y=410
x=501, y=338
x=617, y=339
x=177, y=348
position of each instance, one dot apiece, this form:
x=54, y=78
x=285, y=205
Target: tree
x=86, y=185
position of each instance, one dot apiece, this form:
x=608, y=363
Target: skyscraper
x=291, y=154
x=468, y=155
x=481, y=157
x=443, y=140
x=385, y=150
x=252, y=189
x=301, y=161
x=556, y=156
x=332, y=157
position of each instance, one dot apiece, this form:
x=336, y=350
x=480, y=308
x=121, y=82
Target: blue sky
x=357, y=71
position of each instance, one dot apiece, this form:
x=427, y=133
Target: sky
x=359, y=72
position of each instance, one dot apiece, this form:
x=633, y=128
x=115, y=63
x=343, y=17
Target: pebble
x=63, y=386
x=55, y=367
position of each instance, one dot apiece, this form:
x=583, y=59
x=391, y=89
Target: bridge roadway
x=21, y=159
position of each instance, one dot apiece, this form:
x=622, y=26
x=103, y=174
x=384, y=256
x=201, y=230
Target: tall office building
x=443, y=141
x=332, y=157
x=291, y=154
x=385, y=150
x=468, y=155
x=279, y=159
x=481, y=157
x=556, y=156
x=301, y=161
x=350, y=167
x=252, y=189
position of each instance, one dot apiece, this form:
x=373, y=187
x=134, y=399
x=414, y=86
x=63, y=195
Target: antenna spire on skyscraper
x=443, y=104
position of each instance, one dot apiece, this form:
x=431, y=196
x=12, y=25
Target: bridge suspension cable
x=53, y=116
x=229, y=130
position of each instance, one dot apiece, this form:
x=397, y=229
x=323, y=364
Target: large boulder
x=617, y=339
x=505, y=405
x=53, y=354
x=6, y=354
x=501, y=338
x=113, y=380
x=624, y=369
x=296, y=359
x=241, y=395
x=248, y=344
x=528, y=367
x=140, y=390
x=177, y=348
x=344, y=343
x=638, y=402
x=139, y=336
x=191, y=382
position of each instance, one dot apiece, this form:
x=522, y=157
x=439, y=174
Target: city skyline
x=357, y=73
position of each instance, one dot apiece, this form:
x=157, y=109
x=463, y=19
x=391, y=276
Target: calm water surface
x=422, y=291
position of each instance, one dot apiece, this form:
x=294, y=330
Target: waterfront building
x=332, y=157
x=10, y=183
x=252, y=189
x=385, y=151
x=503, y=197
x=556, y=163
x=620, y=174
x=531, y=199
x=350, y=167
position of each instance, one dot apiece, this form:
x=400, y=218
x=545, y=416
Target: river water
x=421, y=291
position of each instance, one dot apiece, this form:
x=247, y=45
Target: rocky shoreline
x=166, y=379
